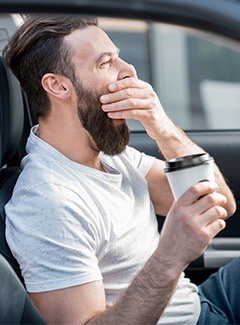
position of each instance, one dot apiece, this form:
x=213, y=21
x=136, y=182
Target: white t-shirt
x=68, y=224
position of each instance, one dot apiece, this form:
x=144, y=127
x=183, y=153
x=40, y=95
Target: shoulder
x=51, y=211
x=132, y=157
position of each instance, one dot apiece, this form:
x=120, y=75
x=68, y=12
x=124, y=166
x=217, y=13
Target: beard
x=107, y=137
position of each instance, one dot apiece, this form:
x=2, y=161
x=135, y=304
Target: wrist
x=164, y=267
x=173, y=142
x=163, y=127
x=170, y=256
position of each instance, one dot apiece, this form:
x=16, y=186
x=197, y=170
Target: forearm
x=145, y=299
x=173, y=142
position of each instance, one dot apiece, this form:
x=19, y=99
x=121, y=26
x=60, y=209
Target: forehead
x=89, y=43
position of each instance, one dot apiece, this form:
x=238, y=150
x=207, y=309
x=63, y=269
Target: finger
x=208, y=201
x=127, y=83
x=125, y=94
x=128, y=104
x=215, y=227
x=140, y=115
x=212, y=214
x=196, y=191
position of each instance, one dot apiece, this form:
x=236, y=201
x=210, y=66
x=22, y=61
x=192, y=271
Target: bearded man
x=82, y=219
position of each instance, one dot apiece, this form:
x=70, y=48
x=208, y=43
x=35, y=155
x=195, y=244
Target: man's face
x=107, y=137
x=97, y=64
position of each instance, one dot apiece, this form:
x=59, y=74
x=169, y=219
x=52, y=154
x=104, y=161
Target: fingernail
x=112, y=87
x=104, y=98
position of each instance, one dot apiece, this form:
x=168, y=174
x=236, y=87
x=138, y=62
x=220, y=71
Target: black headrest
x=11, y=113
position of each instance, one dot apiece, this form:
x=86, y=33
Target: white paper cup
x=184, y=172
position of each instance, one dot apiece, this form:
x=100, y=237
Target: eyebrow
x=110, y=54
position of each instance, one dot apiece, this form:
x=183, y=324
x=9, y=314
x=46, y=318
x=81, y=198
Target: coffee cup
x=184, y=172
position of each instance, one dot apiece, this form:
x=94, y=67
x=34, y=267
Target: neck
x=72, y=141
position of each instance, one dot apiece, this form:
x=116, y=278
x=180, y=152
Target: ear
x=57, y=86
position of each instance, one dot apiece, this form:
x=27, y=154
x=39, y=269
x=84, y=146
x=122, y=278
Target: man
x=81, y=221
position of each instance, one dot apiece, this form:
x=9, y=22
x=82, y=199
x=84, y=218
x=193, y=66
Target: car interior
x=16, y=307
x=220, y=139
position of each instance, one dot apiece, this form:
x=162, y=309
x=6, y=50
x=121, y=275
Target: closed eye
x=105, y=63
x=106, y=58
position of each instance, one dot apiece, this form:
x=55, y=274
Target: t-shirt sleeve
x=141, y=161
x=54, y=238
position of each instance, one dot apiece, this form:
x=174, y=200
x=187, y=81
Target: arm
x=80, y=304
x=132, y=98
x=191, y=222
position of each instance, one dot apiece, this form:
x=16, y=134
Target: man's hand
x=131, y=98
x=191, y=224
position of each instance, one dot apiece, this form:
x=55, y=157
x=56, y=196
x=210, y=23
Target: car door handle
x=221, y=251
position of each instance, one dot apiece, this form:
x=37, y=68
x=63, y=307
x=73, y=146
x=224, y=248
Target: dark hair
x=37, y=48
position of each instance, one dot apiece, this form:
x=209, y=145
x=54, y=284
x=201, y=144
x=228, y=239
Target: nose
x=126, y=70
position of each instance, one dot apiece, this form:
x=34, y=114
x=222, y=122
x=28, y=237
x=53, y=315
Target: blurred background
x=196, y=74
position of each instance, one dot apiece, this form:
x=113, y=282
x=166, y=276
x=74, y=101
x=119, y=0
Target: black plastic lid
x=187, y=161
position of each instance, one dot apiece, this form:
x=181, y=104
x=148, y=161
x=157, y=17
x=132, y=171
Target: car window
x=8, y=25
x=196, y=74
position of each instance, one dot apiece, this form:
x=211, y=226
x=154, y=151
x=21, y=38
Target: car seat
x=11, y=130
x=15, y=304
